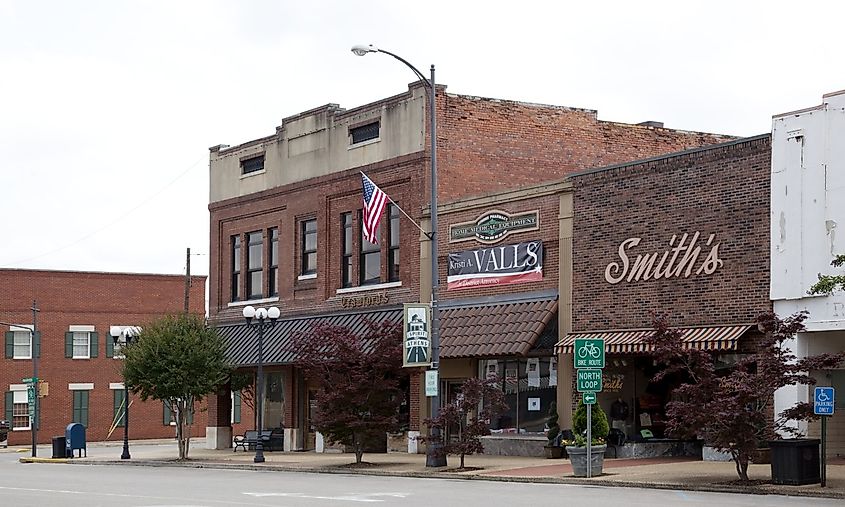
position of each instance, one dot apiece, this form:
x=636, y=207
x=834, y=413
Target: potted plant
x=577, y=448
x=553, y=448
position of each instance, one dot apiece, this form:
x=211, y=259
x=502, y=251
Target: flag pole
x=427, y=234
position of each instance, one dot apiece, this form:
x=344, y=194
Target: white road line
x=354, y=497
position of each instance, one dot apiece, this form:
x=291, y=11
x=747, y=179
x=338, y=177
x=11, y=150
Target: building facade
x=684, y=235
x=78, y=363
x=286, y=219
x=808, y=187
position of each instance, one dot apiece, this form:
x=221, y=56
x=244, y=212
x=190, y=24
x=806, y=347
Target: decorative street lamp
x=434, y=457
x=129, y=334
x=264, y=319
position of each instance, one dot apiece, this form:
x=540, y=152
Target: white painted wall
x=808, y=227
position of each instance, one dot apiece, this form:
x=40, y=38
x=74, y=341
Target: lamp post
x=264, y=319
x=129, y=334
x=434, y=458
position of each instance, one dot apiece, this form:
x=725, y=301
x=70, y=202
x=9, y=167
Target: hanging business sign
x=499, y=265
x=416, y=335
x=494, y=226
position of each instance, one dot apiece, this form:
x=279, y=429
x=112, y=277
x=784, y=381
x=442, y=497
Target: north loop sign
x=589, y=381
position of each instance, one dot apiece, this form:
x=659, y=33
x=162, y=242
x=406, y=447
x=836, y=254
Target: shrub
x=599, y=420
x=554, y=427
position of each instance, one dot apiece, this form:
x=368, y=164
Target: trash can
x=795, y=461
x=59, y=447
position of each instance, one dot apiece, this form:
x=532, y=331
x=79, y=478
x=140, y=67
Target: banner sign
x=497, y=265
x=494, y=226
x=416, y=337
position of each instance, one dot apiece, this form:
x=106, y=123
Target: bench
x=271, y=440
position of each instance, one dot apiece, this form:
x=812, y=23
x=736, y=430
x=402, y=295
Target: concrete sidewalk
x=663, y=473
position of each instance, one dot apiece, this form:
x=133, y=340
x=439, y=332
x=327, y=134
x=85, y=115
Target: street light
x=434, y=456
x=265, y=319
x=33, y=410
x=129, y=334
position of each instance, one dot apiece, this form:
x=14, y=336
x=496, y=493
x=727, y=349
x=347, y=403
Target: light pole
x=434, y=456
x=33, y=423
x=129, y=334
x=264, y=319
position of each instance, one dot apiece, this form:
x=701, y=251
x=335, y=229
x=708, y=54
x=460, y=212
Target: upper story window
x=364, y=133
x=252, y=164
x=236, y=268
x=346, y=250
x=255, y=265
x=308, y=251
x=274, y=261
x=18, y=344
x=81, y=342
x=393, y=244
x=369, y=265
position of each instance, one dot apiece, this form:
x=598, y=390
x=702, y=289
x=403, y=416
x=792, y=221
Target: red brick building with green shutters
x=78, y=365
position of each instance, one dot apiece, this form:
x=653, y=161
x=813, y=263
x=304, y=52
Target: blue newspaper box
x=75, y=436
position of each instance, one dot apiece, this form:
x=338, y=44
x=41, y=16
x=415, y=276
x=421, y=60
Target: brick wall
x=324, y=198
x=722, y=191
x=488, y=145
x=101, y=300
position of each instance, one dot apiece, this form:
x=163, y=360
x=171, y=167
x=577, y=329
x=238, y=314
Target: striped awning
x=633, y=340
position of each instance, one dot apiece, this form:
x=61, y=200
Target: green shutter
x=10, y=405
x=69, y=346
x=80, y=407
x=118, y=407
x=95, y=344
x=167, y=415
x=37, y=344
x=109, y=346
x=190, y=414
x=10, y=344
x=236, y=407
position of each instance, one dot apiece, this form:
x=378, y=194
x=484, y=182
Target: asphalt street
x=107, y=485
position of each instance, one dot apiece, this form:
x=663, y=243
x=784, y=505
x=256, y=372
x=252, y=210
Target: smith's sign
x=683, y=258
x=494, y=226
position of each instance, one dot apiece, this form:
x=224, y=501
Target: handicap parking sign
x=823, y=398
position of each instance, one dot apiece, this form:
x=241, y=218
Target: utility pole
x=35, y=351
x=187, y=279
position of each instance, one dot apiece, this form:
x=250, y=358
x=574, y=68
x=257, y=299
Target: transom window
x=252, y=164
x=309, y=247
x=364, y=133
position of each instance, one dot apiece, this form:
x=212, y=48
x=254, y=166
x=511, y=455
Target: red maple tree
x=357, y=378
x=733, y=411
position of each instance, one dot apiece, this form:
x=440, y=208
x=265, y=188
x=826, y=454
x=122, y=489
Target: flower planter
x=578, y=458
x=553, y=451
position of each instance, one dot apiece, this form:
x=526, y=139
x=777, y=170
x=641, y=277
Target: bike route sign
x=589, y=353
x=589, y=381
x=823, y=400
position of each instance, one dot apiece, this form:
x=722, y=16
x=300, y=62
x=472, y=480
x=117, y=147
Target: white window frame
x=81, y=329
x=20, y=391
x=20, y=329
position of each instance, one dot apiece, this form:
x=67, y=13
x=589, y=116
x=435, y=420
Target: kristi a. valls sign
x=416, y=335
x=500, y=265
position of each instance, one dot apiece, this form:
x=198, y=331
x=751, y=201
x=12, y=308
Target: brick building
x=77, y=361
x=685, y=234
x=285, y=217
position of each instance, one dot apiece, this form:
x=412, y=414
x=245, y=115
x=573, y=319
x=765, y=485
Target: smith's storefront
x=685, y=235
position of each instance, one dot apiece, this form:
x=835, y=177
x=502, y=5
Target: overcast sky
x=107, y=108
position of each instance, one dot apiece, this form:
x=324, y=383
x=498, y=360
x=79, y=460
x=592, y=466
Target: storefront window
x=529, y=390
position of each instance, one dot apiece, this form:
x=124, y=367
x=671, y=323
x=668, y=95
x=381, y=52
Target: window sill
x=23, y=358
x=80, y=357
x=363, y=143
x=367, y=288
x=22, y=429
x=235, y=304
x=312, y=276
x=254, y=173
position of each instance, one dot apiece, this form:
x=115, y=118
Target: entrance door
x=274, y=400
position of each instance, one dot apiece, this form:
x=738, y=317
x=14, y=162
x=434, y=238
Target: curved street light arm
x=419, y=74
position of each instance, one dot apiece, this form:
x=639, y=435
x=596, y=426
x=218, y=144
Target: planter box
x=578, y=458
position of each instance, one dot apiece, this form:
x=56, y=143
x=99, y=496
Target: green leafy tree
x=829, y=283
x=600, y=427
x=179, y=360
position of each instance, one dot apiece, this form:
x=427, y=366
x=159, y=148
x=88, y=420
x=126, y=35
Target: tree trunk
x=462, y=460
x=358, y=446
x=741, y=462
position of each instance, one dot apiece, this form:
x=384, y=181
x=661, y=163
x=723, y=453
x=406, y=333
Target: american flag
x=374, y=203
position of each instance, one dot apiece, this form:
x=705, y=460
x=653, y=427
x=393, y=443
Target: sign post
x=824, y=405
x=589, y=360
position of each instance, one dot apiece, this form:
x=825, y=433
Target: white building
x=808, y=231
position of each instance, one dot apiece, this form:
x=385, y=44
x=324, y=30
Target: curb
x=709, y=488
